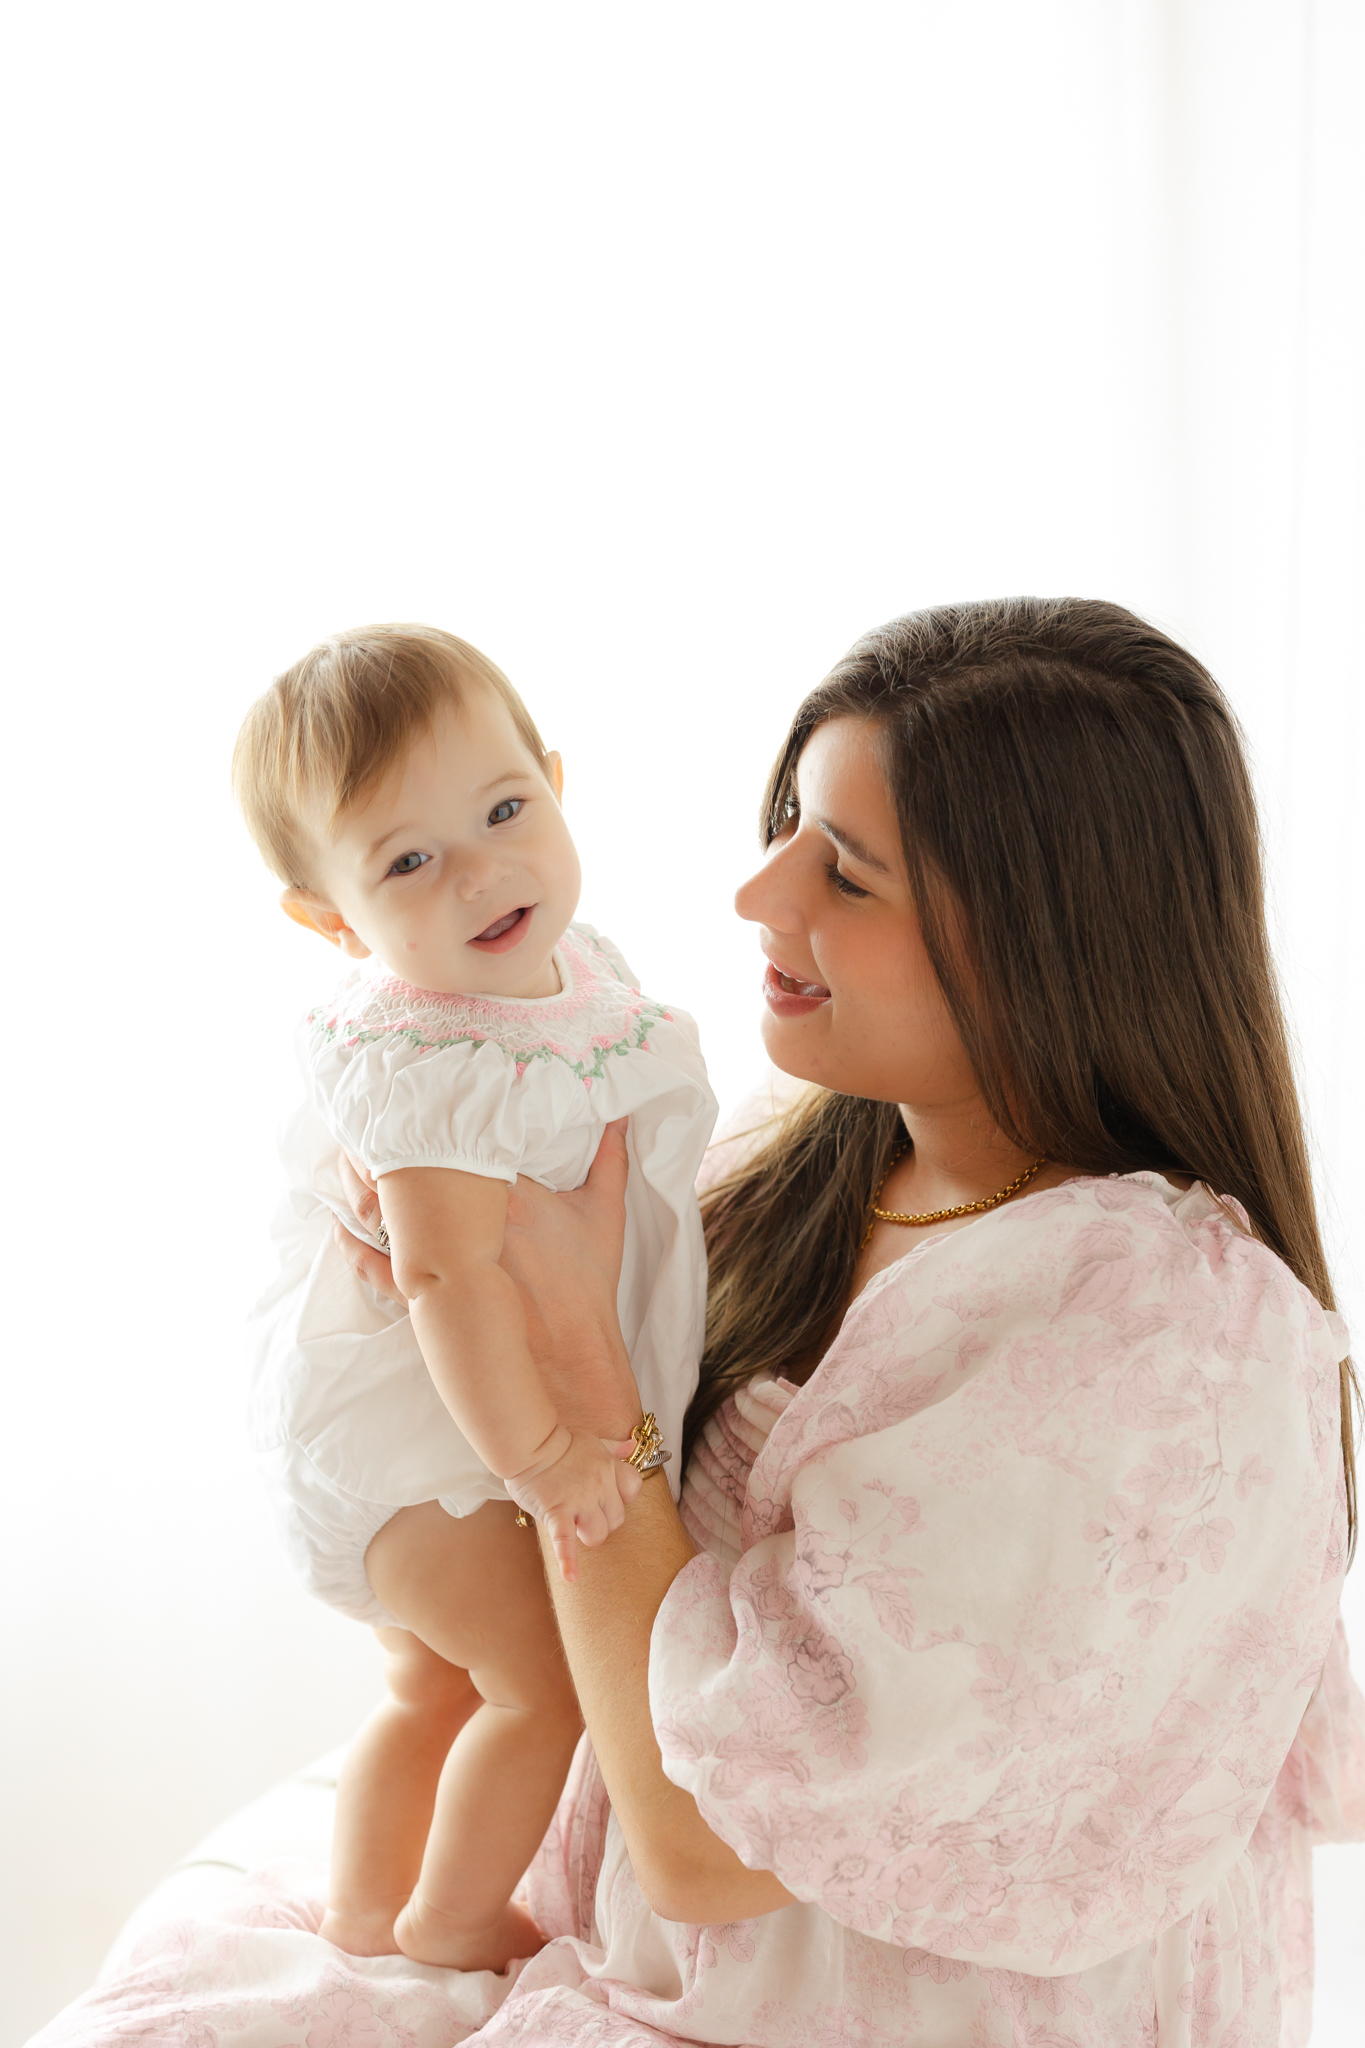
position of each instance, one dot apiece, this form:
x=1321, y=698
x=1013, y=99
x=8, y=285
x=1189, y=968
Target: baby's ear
x=317, y=915
x=554, y=774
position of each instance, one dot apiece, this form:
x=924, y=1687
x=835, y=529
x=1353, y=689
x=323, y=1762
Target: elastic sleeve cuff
x=456, y=1162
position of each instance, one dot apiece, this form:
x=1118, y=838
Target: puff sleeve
x=392, y=1104
x=1042, y=1570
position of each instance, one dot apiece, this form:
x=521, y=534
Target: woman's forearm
x=685, y=1871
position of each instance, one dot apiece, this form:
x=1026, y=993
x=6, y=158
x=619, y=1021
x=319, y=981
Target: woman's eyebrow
x=853, y=846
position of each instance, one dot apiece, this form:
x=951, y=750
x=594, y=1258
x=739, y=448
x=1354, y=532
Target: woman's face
x=853, y=1002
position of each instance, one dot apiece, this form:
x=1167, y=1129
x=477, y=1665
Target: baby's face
x=457, y=870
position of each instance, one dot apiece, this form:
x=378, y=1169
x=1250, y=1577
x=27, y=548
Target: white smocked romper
x=346, y=1420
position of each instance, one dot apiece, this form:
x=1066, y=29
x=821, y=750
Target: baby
x=396, y=785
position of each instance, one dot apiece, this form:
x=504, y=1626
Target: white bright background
x=660, y=350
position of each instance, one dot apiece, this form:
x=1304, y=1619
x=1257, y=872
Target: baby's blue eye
x=500, y=813
x=408, y=863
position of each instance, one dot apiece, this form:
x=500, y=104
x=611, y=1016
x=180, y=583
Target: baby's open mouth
x=501, y=926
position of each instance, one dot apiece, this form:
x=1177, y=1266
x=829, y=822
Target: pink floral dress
x=1012, y=1647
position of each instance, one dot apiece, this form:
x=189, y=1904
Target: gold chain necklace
x=941, y=1215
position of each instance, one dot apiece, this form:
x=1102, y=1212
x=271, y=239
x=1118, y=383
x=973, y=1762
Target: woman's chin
x=795, y=1044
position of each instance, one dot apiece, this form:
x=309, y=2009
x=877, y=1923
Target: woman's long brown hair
x=1082, y=845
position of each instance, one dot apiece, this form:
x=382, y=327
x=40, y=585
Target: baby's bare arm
x=446, y=1230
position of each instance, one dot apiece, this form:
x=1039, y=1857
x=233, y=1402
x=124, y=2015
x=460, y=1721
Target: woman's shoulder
x=1077, y=1322
x=1103, y=1247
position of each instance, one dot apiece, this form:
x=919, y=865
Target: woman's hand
x=563, y=1253
x=371, y=1266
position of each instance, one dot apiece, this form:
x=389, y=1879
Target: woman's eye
x=500, y=813
x=408, y=863
x=843, y=884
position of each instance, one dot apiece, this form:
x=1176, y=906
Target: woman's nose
x=765, y=898
x=747, y=899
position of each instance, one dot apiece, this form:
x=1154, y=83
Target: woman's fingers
x=366, y=1263
x=359, y=1190
x=372, y=1266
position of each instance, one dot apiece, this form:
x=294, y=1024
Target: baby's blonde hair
x=326, y=730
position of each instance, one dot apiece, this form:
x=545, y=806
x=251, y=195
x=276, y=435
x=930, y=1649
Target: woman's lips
x=504, y=932
x=786, y=996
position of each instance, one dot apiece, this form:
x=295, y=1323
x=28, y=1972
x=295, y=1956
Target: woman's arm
x=684, y=1870
x=564, y=1252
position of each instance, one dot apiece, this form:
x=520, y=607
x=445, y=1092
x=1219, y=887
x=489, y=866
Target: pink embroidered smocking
x=597, y=1014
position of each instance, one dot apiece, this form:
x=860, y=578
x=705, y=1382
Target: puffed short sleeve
x=1042, y=1569
x=398, y=1093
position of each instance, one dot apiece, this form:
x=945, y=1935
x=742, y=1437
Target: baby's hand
x=581, y=1495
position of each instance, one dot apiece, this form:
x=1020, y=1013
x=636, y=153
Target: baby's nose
x=476, y=875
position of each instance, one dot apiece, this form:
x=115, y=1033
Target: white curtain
x=1250, y=187
x=660, y=350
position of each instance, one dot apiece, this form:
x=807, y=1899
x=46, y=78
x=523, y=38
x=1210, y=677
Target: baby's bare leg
x=474, y=1591
x=387, y=1793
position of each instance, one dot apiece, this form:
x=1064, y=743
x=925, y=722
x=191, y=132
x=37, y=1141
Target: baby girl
x=396, y=785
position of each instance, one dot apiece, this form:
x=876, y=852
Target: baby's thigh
x=473, y=1589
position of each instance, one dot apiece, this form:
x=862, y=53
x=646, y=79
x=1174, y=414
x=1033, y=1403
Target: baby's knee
x=421, y=1680
x=533, y=1679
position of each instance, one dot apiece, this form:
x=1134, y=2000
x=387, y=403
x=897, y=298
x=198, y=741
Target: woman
x=989, y=1686
x=1017, y=1714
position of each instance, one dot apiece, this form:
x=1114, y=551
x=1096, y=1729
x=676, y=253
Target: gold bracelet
x=649, y=1455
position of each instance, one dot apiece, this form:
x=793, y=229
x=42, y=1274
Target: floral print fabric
x=1041, y=1573
x=1015, y=1654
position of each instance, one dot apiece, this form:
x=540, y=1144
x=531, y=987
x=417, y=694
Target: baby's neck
x=545, y=980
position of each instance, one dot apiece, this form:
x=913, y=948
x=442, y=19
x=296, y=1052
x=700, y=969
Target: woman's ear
x=554, y=775
x=317, y=915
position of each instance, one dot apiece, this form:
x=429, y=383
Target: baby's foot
x=360, y=1931
x=428, y=1936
